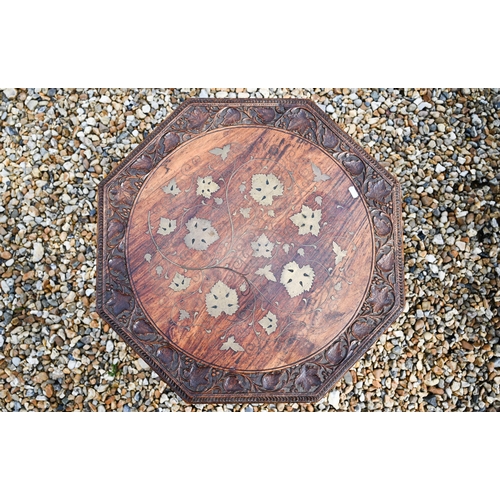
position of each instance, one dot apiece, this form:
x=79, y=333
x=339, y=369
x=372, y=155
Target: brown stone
x=40, y=377
x=49, y=390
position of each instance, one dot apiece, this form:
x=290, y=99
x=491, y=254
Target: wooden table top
x=249, y=250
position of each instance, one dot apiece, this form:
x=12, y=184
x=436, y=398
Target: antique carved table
x=250, y=251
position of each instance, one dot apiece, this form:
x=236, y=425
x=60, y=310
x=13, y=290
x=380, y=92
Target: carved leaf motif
x=159, y=270
x=266, y=272
x=271, y=213
x=318, y=175
x=286, y=247
x=222, y=152
x=143, y=331
x=167, y=226
x=199, y=377
x=243, y=287
x=171, y=188
x=339, y=253
x=318, y=200
x=301, y=252
x=300, y=122
x=296, y=279
x=265, y=114
x=378, y=190
x=201, y=234
x=269, y=323
x=180, y=283
x=170, y=141
x=232, y=116
x=338, y=352
x=330, y=140
x=307, y=220
x=219, y=201
x=231, y=344
x=386, y=261
x=262, y=247
x=115, y=231
x=168, y=357
x=141, y=166
x=197, y=118
x=117, y=266
x=242, y=187
x=147, y=257
x=381, y=297
x=233, y=384
x=221, y=299
x=308, y=378
x=120, y=195
x=206, y=187
x=382, y=225
x=119, y=302
x=271, y=381
x=265, y=187
x=362, y=328
x=353, y=164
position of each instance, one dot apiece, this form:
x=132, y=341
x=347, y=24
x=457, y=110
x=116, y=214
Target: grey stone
x=10, y=93
x=38, y=252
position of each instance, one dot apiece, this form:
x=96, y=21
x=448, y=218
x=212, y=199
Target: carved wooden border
x=313, y=378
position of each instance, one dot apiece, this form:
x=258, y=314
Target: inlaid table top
x=250, y=251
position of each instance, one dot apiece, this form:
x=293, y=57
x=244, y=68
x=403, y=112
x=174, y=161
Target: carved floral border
x=309, y=380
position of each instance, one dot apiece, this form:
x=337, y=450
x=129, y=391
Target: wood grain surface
x=249, y=250
x=245, y=189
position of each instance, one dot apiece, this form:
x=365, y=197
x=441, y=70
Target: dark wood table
x=250, y=251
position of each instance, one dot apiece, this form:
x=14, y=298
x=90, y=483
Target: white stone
x=32, y=104
x=143, y=364
x=203, y=93
x=438, y=240
x=146, y=108
x=430, y=258
x=5, y=286
x=461, y=245
x=105, y=99
x=109, y=346
x=441, y=127
x=10, y=93
x=38, y=252
x=440, y=168
x=221, y=95
x=334, y=399
x=264, y=92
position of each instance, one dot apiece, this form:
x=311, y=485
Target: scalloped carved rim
x=310, y=380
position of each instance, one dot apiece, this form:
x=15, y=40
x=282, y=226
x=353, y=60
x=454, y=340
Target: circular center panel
x=249, y=249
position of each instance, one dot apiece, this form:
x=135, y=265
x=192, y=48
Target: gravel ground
x=56, y=146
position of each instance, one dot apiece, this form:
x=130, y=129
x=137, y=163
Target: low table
x=250, y=251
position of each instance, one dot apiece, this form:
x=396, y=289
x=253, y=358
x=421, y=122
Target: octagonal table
x=250, y=251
